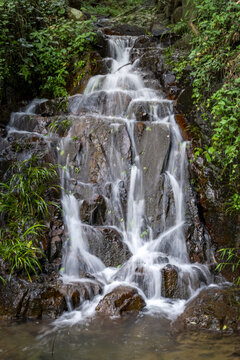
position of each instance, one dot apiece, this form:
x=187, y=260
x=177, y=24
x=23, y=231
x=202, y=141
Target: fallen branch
x=122, y=67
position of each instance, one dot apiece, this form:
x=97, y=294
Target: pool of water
x=138, y=338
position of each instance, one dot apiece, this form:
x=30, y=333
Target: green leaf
x=208, y=157
x=211, y=150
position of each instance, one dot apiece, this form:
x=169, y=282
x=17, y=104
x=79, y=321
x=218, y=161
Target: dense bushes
x=24, y=209
x=39, y=47
x=214, y=60
x=110, y=7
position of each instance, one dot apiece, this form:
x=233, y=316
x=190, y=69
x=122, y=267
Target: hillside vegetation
x=213, y=58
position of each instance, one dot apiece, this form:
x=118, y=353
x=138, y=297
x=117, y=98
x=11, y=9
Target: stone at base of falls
x=44, y=298
x=178, y=283
x=215, y=309
x=121, y=299
x=24, y=300
x=77, y=292
x=169, y=280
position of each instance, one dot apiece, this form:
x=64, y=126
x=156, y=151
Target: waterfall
x=124, y=154
x=114, y=98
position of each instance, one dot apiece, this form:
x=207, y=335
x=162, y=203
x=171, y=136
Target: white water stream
x=113, y=98
x=149, y=253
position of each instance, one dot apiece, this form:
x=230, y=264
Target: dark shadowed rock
x=151, y=60
x=55, y=247
x=124, y=29
x=43, y=298
x=121, y=299
x=101, y=43
x=144, y=42
x=25, y=300
x=78, y=292
x=24, y=122
x=169, y=281
x=48, y=108
x=215, y=309
x=77, y=4
x=179, y=284
x=168, y=79
x=93, y=212
x=107, y=244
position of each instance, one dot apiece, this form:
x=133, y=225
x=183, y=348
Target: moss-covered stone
x=75, y=14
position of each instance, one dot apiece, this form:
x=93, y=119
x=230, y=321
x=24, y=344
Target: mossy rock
x=75, y=14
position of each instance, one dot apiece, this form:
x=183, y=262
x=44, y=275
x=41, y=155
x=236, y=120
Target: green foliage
x=231, y=257
x=18, y=250
x=214, y=61
x=23, y=208
x=60, y=126
x=23, y=193
x=54, y=49
x=110, y=7
x=39, y=46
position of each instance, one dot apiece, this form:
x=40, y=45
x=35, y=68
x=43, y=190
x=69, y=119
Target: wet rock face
x=102, y=103
x=148, y=111
x=26, y=122
x=169, y=281
x=149, y=60
x=78, y=292
x=43, y=299
x=93, y=212
x=102, y=145
x=107, y=244
x=121, y=299
x=179, y=284
x=124, y=29
x=152, y=143
x=143, y=42
x=49, y=108
x=25, y=300
x=215, y=309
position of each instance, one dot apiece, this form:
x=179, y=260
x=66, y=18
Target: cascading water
x=132, y=161
x=113, y=98
x=130, y=221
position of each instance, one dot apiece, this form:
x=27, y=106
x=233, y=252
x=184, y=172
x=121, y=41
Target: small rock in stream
x=121, y=299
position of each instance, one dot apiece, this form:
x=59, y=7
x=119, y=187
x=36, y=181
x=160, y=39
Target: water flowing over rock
x=129, y=216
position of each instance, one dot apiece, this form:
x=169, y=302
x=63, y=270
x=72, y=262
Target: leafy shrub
x=39, y=46
x=18, y=250
x=231, y=258
x=215, y=62
x=110, y=7
x=23, y=208
x=60, y=126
